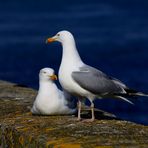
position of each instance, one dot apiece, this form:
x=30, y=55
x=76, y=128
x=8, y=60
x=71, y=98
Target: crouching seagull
x=50, y=100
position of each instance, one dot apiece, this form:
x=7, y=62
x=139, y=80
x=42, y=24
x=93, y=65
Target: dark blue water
x=111, y=35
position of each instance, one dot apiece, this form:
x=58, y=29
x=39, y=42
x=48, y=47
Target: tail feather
x=131, y=92
x=120, y=97
x=141, y=94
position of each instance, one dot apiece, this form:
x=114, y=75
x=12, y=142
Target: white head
x=62, y=36
x=47, y=74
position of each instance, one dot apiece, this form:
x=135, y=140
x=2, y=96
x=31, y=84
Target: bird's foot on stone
x=88, y=120
x=79, y=119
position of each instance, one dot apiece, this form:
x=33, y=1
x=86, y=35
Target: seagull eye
x=44, y=72
x=58, y=34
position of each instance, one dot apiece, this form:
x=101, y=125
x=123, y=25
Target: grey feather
x=125, y=99
x=118, y=82
x=96, y=81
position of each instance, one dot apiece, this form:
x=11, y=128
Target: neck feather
x=70, y=53
x=46, y=86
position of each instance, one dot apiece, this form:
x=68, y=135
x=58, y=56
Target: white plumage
x=50, y=100
x=85, y=81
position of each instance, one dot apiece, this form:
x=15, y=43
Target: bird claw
x=78, y=119
x=88, y=120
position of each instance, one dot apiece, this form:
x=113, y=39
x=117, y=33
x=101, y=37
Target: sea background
x=111, y=35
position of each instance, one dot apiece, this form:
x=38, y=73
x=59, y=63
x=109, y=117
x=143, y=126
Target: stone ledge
x=20, y=129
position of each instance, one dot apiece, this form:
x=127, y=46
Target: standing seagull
x=85, y=81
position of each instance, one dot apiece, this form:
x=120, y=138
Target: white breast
x=50, y=100
x=69, y=84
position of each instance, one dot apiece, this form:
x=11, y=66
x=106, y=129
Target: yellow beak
x=53, y=77
x=49, y=40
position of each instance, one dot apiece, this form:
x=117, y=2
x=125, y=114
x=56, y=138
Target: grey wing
x=96, y=81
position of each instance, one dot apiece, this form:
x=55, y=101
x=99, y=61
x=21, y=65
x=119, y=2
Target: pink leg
x=92, y=114
x=79, y=110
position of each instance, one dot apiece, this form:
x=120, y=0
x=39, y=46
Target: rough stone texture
x=21, y=129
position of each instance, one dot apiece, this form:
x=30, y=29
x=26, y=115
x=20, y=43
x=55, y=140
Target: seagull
x=50, y=100
x=84, y=81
